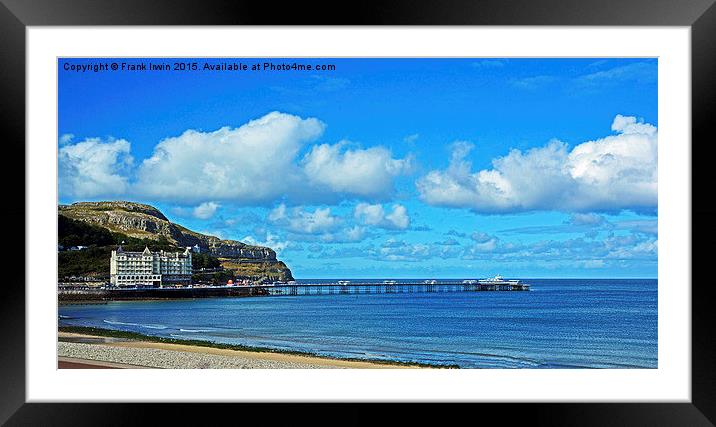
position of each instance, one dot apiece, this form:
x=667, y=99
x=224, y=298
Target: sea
x=559, y=323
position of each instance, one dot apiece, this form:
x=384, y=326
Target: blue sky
x=383, y=167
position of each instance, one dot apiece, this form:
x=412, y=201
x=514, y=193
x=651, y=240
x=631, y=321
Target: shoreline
x=109, y=344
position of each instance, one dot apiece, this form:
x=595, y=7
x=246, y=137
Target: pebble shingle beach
x=76, y=350
x=171, y=359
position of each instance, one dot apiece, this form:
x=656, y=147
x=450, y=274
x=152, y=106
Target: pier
x=358, y=288
x=278, y=289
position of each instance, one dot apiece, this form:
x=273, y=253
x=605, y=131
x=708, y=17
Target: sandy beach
x=80, y=351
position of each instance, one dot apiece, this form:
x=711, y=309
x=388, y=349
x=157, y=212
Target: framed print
x=490, y=205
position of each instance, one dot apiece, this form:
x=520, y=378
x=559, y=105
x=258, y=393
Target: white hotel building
x=149, y=269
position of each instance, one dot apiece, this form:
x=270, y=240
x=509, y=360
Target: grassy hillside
x=94, y=261
x=74, y=233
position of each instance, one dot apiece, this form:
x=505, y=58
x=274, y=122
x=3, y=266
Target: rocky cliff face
x=144, y=221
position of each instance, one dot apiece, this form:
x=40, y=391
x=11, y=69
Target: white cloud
x=613, y=251
x=346, y=235
x=369, y=214
x=355, y=233
x=411, y=138
x=252, y=163
x=448, y=242
x=487, y=246
x=319, y=225
x=278, y=213
x=638, y=72
x=612, y=173
x=375, y=215
x=480, y=237
x=586, y=219
x=456, y=233
x=205, y=210
x=398, y=250
x=578, y=251
x=399, y=217
x=270, y=241
x=631, y=247
x=592, y=263
x=483, y=243
x=257, y=163
x=367, y=173
x=66, y=138
x=300, y=221
x=533, y=82
x=317, y=221
x=93, y=167
x=402, y=251
x=649, y=226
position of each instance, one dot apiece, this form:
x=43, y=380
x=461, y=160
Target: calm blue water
x=559, y=324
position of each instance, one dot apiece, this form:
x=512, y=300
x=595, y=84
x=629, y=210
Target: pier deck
x=386, y=288
x=294, y=289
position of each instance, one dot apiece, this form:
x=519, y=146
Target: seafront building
x=149, y=269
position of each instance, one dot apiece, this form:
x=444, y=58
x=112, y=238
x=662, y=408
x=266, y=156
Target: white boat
x=498, y=280
x=389, y=282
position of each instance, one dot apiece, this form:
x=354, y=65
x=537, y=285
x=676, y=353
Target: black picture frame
x=699, y=15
